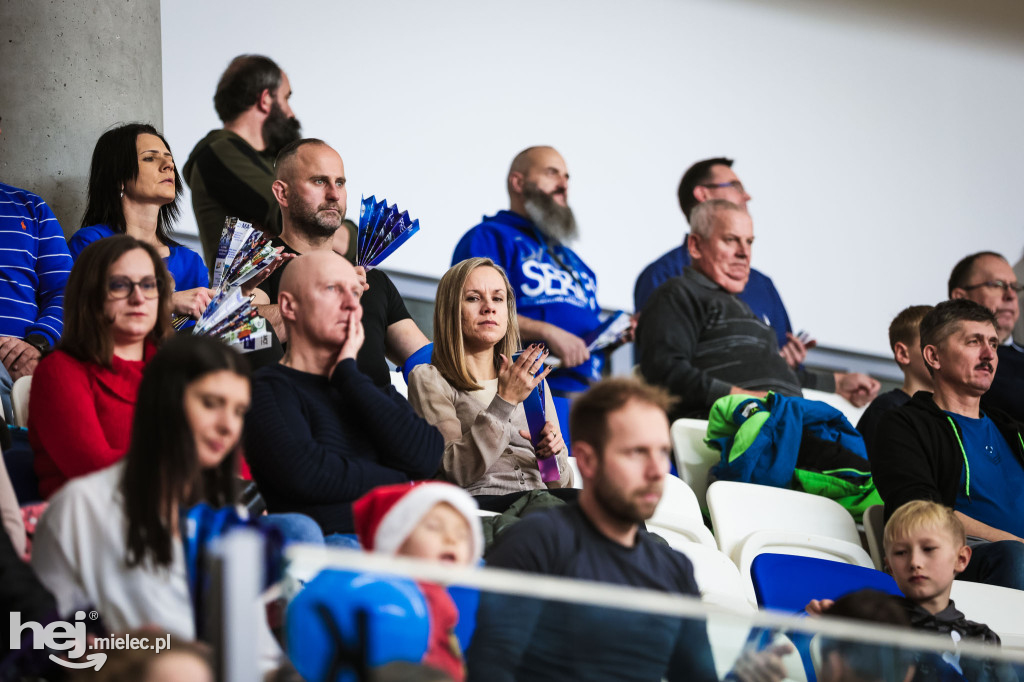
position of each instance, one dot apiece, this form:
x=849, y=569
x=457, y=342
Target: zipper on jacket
x=963, y=453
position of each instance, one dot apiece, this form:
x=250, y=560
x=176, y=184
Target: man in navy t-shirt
x=556, y=293
x=621, y=441
x=943, y=447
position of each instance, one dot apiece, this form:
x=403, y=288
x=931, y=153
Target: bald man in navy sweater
x=320, y=434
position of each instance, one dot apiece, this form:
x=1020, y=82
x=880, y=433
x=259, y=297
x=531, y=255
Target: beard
x=279, y=130
x=555, y=221
x=315, y=222
x=622, y=505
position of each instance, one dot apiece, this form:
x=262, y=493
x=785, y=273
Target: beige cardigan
x=483, y=451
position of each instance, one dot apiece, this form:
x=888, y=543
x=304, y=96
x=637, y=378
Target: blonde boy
x=925, y=548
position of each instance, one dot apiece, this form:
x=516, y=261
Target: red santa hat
x=387, y=515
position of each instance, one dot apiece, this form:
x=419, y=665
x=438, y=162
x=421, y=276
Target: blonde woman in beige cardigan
x=473, y=392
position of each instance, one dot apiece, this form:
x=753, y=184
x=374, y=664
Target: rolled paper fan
x=535, y=407
x=382, y=229
x=536, y=417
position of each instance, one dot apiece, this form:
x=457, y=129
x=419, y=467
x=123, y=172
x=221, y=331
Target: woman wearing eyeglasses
x=116, y=310
x=134, y=189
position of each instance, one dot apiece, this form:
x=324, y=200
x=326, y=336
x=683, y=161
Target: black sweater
x=698, y=340
x=917, y=455
x=316, y=445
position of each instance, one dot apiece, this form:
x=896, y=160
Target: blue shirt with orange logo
x=34, y=266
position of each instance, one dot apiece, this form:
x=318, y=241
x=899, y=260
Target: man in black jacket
x=942, y=447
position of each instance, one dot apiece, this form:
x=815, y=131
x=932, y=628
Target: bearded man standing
x=230, y=171
x=556, y=293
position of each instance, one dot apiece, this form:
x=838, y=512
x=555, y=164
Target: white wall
x=876, y=155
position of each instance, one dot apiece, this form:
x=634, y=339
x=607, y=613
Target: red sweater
x=443, y=650
x=80, y=415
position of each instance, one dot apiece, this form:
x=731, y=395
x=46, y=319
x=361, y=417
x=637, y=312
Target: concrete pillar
x=68, y=71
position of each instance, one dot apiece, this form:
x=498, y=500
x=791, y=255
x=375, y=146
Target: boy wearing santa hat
x=429, y=520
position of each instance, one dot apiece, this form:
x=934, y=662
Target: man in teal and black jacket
x=941, y=446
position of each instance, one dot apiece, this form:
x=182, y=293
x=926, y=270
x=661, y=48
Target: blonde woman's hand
x=516, y=379
x=550, y=442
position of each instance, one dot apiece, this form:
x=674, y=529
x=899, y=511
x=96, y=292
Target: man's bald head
x=309, y=267
x=318, y=292
x=538, y=189
x=285, y=161
x=529, y=159
x=311, y=191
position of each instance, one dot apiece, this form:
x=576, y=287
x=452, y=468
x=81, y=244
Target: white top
x=79, y=555
x=488, y=389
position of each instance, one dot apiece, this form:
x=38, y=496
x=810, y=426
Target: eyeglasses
x=998, y=284
x=735, y=184
x=122, y=287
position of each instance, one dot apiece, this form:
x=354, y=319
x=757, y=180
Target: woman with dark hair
x=134, y=189
x=473, y=391
x=112, y=538
x=116, y=312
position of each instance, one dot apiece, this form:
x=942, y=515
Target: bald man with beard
x=320, y=434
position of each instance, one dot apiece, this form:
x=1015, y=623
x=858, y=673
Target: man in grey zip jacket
x=941, y=446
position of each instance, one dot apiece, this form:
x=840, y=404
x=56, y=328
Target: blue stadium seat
x=786, y=582
x=467, y=600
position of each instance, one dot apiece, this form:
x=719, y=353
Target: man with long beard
x=231, y=170
x=556, y=293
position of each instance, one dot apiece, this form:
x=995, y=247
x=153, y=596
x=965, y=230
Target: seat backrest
x=786, y=582
x=717, y=577
x=398, y=381
x=577, y=481
x=874, y=527
x=679, y=512
x=740, y=509
x=693, y=457
x=420, y=357
x=1000, y=608
x=19, y=400
x=852, y=413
